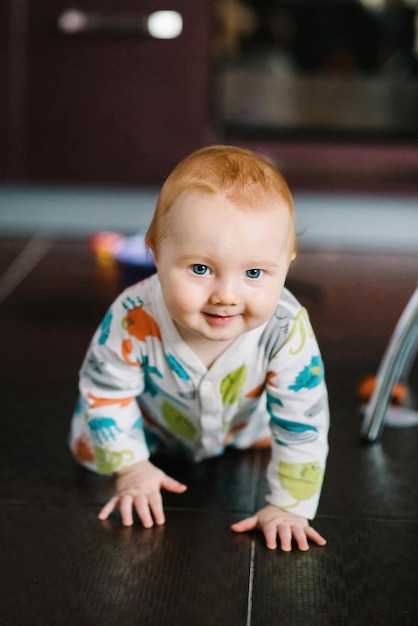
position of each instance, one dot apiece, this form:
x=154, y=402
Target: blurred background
x=97, y=105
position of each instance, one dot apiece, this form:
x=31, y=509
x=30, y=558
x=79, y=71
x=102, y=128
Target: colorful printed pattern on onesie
x=139, y=376
x=300, y=481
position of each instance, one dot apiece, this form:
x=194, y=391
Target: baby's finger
x=299, y=535
x=125, y=505
x=144, y=514
x=314, y=535
x=270, y=535
x=170, y=484
x=156, y=506
x=108, y=508
x=248, y=523
x=285, y=535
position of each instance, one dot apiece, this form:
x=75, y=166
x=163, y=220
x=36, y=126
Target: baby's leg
x=262, y=444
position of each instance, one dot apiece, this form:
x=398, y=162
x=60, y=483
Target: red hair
x=245, y=177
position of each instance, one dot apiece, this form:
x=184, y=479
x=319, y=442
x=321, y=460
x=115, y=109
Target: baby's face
x=221, y=267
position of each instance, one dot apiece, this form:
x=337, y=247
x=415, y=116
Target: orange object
x=367, y=385
x=263, y=444
x=105, y=245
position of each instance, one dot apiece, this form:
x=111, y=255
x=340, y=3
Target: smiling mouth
x=219, y=319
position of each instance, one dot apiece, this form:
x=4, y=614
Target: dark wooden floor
x=60, y=566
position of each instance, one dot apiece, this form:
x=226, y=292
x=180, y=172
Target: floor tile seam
x=27, y=259
x=256, y=477
x=251, y=576
x=368, y=518
x=207, y=511
x=212, y=511
x=33, y=502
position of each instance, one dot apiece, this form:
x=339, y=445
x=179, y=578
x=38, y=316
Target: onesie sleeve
x=107, y=429
x=297, y=403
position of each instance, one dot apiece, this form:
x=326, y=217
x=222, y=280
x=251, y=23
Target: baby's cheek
x=262, y=308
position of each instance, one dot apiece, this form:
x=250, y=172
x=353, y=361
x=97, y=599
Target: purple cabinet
x=101, y=100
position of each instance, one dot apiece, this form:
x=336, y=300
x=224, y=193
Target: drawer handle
x=158, y=25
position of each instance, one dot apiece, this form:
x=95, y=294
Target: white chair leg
x=395, y=365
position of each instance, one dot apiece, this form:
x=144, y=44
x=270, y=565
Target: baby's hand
x=274, y=521
x=139, y=486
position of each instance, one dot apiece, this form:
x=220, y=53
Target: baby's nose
x=226, y=292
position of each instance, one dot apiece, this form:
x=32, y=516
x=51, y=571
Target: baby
x=212, y=351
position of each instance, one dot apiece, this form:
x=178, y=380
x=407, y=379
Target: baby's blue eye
x=200, y=269
x=255, y=273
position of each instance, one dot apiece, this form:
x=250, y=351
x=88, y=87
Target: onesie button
x=209, y=398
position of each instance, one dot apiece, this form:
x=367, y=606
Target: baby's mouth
x=215, y=318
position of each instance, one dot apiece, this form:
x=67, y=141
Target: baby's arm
x=139, y=487
x=108, y=418
x=298, y=408
x=273, y=522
